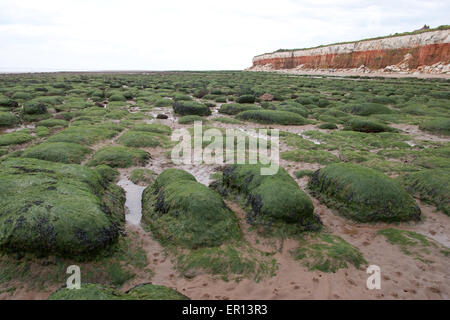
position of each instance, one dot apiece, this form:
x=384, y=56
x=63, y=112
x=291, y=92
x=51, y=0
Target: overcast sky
x=51, y=35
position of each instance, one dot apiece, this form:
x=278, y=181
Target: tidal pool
x=133, y=201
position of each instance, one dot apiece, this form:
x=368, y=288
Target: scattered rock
x=266, y=97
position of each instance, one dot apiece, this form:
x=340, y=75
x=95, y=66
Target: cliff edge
x=419, y=52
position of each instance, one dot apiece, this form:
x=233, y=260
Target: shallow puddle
x=133, y=202
x=29, y=126
x=317, y=142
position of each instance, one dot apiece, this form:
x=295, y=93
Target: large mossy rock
x=119, y=157
x=17, y=137
x=85, y=135
x=139, y=139
x=272, y=117
x=183, y=212
x=54, y=208
x=8, y=120
x=369, y=108
x=273, y=198
x=439, y=125
x=64, y=152
x=100, y=292
x=432, y=186
x=363, y=194
x=154, y=127
x=367, y=126
x=235, y=108
x=185, y=108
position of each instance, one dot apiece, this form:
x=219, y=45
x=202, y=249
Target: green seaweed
x=328, y=253
x=363, y=194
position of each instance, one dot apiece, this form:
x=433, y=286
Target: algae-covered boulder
x=119, y=157
x=51, y=123
x=8, y=103
x=271, y=198
x=272, y=117
x=367, y=126
x=64, y=152
x=190, y=107
x=246, y=98
x=8, y=120
x=432, y=186
x=183, y=212
x=363, y=194
x=155, y=127
x=439, y=125
x=144, y=139
x=54, y=208
x=85, y=135
x=235, y=108
x=154, y=292
x=100, y=292
x=34, y=108
x=369, y=108
x=143, y=176
x=190, y=119
x=88, y=292
x=17, y=137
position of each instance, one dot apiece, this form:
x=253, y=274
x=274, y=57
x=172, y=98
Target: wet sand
x=403, y=276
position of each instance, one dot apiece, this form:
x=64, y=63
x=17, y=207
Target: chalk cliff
x=425, y=52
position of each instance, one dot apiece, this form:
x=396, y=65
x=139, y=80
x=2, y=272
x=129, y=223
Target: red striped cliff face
x=373, y=59
x=412, y=52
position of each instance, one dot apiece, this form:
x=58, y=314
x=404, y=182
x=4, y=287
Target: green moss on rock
x=54, y=208
x=183, y=212
x=328, y=253
x=58, y=152
x=8, y=120
x=42, y=132
x=18, y=137
x=119, y=157
x=441, y=126
x=100, y=292
x=143, y=176
x=367, y=109
x=431, y=185
x=191, y=108
x=153, y=127
x=272, y=117
x=328, y=126
x=414, y=244
x=140, y=139
x=85, y=135
x=368, y=126
x=88, y=292
x=8, y=103
x=108, y=174
x=190, y=119
x=246, y=98
x=363, y=194
x=235, y=108
x=154, y=292
x=34, y=108
x=271, y=199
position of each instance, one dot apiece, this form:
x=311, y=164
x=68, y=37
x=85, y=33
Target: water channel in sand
x=133, y=201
